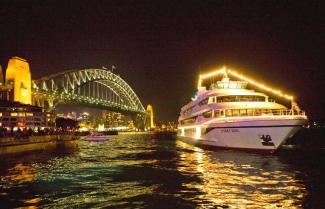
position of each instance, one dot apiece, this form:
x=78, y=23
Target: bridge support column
x=18, y=77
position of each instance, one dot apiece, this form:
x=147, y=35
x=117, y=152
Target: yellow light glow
x=220, y=71
x=262, y=86
x=19, y=77
x=224, y=71
x=197, y=132
x=213, y=73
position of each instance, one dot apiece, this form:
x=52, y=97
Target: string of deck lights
x=234, y=73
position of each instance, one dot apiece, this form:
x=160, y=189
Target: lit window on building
x=13, y=114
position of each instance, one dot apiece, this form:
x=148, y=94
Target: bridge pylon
x=150, y=115
x=18, y=77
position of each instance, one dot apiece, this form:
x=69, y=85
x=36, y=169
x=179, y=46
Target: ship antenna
x=225, y=74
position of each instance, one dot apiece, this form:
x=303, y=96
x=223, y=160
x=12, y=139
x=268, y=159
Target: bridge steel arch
x=105, y=89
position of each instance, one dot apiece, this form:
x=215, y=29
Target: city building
x=15, y=115
x=16, y=111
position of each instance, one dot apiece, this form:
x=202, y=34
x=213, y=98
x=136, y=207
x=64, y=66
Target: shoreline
x=13, y=145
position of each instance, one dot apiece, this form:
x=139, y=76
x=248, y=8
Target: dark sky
x=159, y=47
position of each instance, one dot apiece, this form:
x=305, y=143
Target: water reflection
x=20, y=173
x=144, y=172
x=241, y=179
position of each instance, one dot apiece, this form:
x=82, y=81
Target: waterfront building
x=6, y=93
x=15, y=115
x=16, y=111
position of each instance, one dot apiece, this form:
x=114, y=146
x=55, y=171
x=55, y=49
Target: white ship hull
x=265, y=135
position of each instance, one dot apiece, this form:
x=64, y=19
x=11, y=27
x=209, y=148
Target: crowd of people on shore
x=27, y=132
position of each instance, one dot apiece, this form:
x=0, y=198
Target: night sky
x=159, y=47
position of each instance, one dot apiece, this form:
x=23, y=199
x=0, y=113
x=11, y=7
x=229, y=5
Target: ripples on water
x=139, y=171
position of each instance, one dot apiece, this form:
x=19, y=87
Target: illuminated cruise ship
x=228, y=115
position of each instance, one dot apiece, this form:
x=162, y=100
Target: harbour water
x=141, y=171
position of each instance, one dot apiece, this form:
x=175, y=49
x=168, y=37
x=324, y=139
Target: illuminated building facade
x=115, y=120
x=14, y=115
x=16, y=111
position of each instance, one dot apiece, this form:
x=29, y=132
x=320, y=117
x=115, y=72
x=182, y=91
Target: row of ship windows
x=232, y=98
x=236, y=113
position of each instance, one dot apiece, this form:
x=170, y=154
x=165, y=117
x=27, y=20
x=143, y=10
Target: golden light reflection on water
x=20, y=173
x=33, y=200
x=143, y=173
x=29, y=207
x=243, y=181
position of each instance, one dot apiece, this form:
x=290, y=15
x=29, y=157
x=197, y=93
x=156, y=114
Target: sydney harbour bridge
x=99, y=88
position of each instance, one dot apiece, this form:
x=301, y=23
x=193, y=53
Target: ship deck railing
x=262, y=112
x=246, y=113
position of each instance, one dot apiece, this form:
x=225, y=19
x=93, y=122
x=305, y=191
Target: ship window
x=257, y=112
x=207, y=114
x=266, y=112
x=228, y=113
x=235, y=113
x=250, y=112
x=219, y=113
x=189, y=120
x=204, y=102
x=203, y=130
x=241, y=98
x=216, y=113
x=188, y=111
x=243, y=112
x=189, y=131
x=246, y=98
